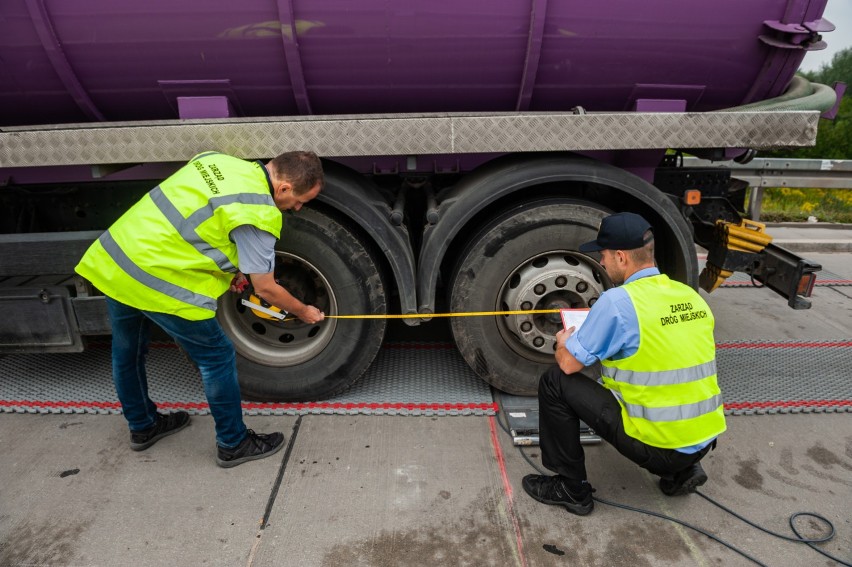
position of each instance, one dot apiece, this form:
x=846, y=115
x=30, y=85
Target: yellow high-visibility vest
x=171, y=251
x=668, y=390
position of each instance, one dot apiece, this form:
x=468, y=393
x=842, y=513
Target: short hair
x=302, y=169
x=645, y=254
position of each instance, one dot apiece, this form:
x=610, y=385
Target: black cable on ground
x=655, y=514
x=798, y=539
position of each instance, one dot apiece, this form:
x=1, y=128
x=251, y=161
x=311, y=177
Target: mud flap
x=38, y=319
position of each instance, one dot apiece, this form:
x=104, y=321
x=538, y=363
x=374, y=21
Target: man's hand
x=566, y=361
x=267, y=287
x=239, y=283
x=311, y=315
x=563, y=335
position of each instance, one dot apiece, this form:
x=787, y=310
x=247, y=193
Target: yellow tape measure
x=432, y=315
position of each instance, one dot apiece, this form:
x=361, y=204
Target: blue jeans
x=204, y=342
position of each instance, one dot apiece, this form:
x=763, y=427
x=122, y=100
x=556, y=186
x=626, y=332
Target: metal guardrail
x=778, y=172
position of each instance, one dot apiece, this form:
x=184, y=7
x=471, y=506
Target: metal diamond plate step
x=400, y=134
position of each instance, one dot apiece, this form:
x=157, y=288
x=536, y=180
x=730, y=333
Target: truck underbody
x=420, y=214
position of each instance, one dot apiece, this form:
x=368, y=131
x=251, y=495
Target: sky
x=839, y=13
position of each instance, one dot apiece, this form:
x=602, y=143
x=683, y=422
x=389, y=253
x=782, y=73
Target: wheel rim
x=283, y=343
x=559, y=279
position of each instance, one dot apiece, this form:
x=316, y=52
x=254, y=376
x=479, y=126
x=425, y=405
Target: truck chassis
x=488, y=208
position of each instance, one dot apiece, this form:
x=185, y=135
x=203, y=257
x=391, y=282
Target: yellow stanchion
x=748, y=236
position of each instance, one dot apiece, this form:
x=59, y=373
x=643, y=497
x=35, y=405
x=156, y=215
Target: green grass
x=786, y=204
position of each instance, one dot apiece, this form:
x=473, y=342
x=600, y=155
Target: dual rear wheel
x=324, y=263
x=524, y=260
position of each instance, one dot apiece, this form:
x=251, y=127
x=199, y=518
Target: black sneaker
x=254, y=446
x=554, y=490
x=166, y=425
x=684, y=482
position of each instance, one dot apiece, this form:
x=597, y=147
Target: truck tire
x=525, y=259
x=325, y=264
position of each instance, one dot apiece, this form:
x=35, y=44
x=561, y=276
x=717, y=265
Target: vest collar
x=268, y=179
x=644, y=273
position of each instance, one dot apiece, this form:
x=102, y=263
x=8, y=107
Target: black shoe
x=685, y=481
x=166, y=425
x=254, y=446
x=554, y=490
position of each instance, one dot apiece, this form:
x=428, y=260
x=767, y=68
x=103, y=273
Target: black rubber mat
x=405, y=379
x=420, y=378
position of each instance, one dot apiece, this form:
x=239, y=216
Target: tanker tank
x=114, y=60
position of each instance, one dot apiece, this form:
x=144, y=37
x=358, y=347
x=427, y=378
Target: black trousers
x=564, y=400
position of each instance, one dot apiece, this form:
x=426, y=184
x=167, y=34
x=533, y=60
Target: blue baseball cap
x=621, y=231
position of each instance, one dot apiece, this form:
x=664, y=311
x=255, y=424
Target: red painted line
x=259, y=406
x=370, y=405
x=507, y=488
x=817, y=283
x=393, y=346
x=810, y=344
x=788, y=404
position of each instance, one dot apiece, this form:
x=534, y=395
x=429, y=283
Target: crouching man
x=657, y=402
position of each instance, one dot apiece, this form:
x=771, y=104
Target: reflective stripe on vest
x=187, y=227
x=671, y=413
x=171, y=252
x=172, y=290
x=664, y=377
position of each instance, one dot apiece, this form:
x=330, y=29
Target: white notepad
x=573, y=318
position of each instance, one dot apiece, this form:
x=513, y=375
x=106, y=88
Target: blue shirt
x=611, y=332
x=256, y=249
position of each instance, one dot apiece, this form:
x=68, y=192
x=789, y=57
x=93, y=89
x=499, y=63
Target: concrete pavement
x=388, y=491
x=812, y=237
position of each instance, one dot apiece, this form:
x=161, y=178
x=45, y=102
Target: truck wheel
x=524, y=260
x=324, y=264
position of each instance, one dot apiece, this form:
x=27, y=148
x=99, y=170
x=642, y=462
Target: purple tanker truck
x=469, y=147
